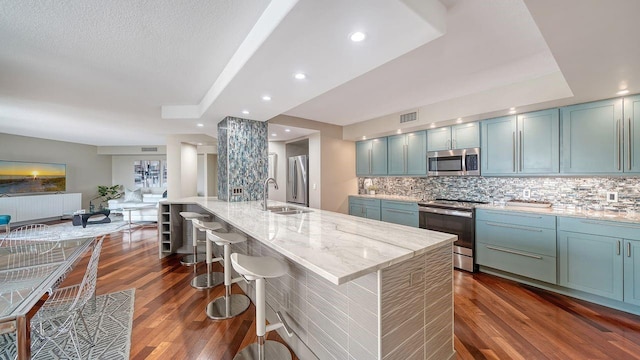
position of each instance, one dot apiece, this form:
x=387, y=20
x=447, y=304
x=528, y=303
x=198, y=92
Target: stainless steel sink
x=287, y=210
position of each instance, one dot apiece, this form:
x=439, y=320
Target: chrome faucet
x=266, y=188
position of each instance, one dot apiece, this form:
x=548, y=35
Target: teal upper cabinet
x=592, y=138
x=539, y=142
x=407, y=154
x=498, y=147
x=632, y=137
x=465, y=136
x=439, y=139
x=453, y=137
x=371, y=157
x=527, y=144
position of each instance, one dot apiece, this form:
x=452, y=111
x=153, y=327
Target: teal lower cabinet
x=632, y=272
x=591, y=263
x=525, y=245
x=364, y=207
x=399, y=212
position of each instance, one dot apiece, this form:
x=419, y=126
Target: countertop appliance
x=454, y=162
x=298, y=180
x=454, y=217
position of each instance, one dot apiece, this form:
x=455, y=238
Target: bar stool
x=209, y=279
x=192, y=259
x=229, y=305
x=259, y=268
x=6, y=221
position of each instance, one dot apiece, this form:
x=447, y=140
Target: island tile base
x=404, y=311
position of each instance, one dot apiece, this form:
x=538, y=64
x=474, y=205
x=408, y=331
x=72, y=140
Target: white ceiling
x=131, y=72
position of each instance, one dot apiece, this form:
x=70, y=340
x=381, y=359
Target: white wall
x=85, y=168
x=279, y=148
x=122, y=170
x=315, y=171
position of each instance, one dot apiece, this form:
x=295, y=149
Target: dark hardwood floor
x=494, y=318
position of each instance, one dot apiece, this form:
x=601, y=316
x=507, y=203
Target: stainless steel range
x=454, y=217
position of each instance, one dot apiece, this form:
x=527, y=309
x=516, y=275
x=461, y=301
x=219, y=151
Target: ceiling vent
x=149, y=149
x=412, y=116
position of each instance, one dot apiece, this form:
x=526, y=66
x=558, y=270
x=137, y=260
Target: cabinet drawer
x=539, y=267
x=517, y=237
x=363, y=201
x=402, y=217
x=516, y=218
x=399, y=205
x=599, y=227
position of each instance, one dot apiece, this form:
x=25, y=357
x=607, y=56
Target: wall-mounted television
x=19, y=177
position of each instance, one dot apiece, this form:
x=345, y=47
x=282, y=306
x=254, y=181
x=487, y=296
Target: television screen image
x=29, y=177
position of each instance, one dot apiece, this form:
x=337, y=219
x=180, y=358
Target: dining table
x=29, y=273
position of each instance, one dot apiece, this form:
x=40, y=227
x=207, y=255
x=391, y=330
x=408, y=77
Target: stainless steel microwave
x=454, y=162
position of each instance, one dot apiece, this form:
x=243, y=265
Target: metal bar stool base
x=272, y=350
x=188, y=260
x=226, y=307
x=207, y=281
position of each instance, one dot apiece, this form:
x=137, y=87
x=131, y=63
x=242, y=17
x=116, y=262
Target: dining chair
x=57, y=317
x=32, y=232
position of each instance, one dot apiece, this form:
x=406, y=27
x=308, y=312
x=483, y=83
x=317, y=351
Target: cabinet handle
x=619, y=144
x=399, y=211
x=519, y=215
x=612, y=224
x=405, y=157
x=514, y=227
x=513, y=143
x=618, y=248
x=629, y=145
x=514, y=252
x=521, y=157
x=628, y=249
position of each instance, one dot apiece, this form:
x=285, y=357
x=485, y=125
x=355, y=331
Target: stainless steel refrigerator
x=298, y=180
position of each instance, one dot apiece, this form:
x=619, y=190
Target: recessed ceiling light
x=266, y=98
x=459, y=120
x=623, y=92
x=246, y=112
x=433, y=125
x=287, y=130
x=512, y=111
x=300, y=76
x=512, y=108
x=199, y=125
x=399, y=131
x=357, y=36
x=199, y=144
x=364, y=137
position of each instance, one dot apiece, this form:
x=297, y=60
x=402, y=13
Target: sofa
x=146, y=213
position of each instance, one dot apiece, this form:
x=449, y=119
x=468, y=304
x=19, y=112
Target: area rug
x=111, y=322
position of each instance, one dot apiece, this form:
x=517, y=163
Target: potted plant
x=106, y=193
x=372, y=189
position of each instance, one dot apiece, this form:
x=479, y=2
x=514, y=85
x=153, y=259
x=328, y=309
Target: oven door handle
x=439, y=211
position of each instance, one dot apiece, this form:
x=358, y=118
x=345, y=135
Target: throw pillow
x=133, y=195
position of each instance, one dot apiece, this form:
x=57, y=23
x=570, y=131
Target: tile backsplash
x=560, y=191
x=242, y=159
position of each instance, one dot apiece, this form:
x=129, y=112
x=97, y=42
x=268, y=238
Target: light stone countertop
x=336, y=246
x=388, y=197
x=583, y=213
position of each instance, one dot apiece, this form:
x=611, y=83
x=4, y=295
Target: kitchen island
x=355, y=289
